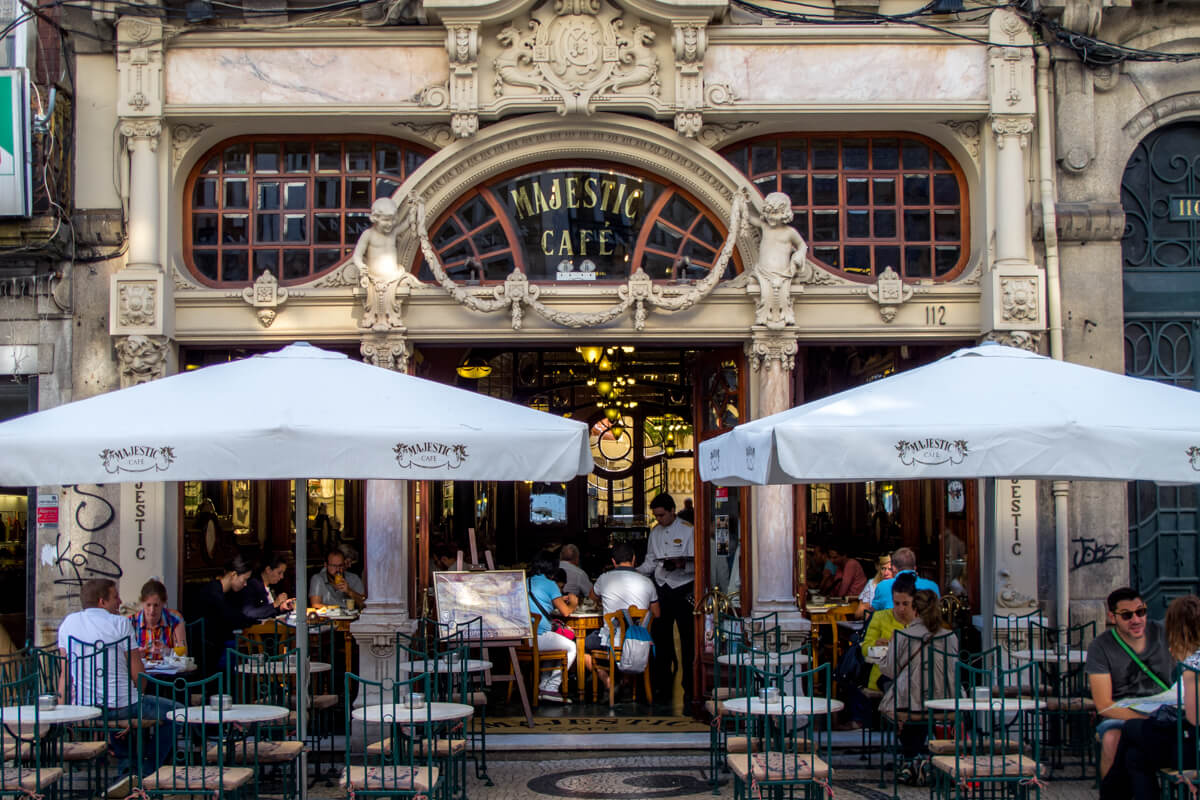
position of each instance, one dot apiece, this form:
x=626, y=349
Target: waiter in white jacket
x=671, y=562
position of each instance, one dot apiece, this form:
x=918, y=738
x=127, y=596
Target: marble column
x=773, y=357
x=141, y=138
x=1012, y=220
x=387, y=557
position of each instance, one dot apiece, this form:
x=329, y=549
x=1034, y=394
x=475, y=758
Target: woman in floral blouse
x=158, y=628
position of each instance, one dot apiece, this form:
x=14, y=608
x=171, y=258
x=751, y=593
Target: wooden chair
x=610, y=657
x=538, y=659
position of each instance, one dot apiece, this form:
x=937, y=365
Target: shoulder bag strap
x=550, y=618
x=1129, y=651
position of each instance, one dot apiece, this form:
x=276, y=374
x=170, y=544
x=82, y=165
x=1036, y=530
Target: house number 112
x=935, y=315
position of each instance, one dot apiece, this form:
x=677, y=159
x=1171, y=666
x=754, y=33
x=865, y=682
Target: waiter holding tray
x=671, y=561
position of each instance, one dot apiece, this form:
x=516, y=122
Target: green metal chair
x=473, y=688
x=184, y=768
x=87, y=680
x=1179, y=782
x=390, y=748
x=83, y=750
x=1070, y=712
x=31, y=750
x=270, y=748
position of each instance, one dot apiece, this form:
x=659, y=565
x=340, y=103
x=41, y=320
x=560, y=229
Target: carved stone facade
x=142, y=358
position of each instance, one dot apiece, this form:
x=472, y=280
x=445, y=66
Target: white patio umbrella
x=301, y=411
x=982, y=412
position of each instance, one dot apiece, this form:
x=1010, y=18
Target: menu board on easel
x=498, y=597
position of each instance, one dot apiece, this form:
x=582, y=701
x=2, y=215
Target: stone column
x=141, y=139
x=1012, y=215
x=773, y=357
x=386, y=553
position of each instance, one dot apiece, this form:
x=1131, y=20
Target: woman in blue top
x=545, y=599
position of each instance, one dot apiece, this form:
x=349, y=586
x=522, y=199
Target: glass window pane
x=858, y=225
x=492, y=238
x=234, y=229
x=767, y=184
x=825, y=226
x=795, y=187
x=295, y=228
x=235, y=265
x=679, y=212
x=857, y=260
x=212, y=166
x=385, y=188
x=664, y=237
x=916, y=262
x=236, y=159
x=824, y=153
x=237, y=193
x=296, y=156
x=329, y=157
x=267, y=228
x=885, y=224
x=762, y=159
x=916, y=226
x=358, y=157
x=939, y=161
x=825, y=190
x=793, y=154
x=204, y=229
x=945, y=258
x=295, y=264
x=268, y=196
x=828, y=255
x=800, y=223
x=474, y=212
x=328, y=228
x=916, y=155
x=328, y=192
x=885, y=154
x=388, y=160
x=266, y=157
x=945, y=190
x=916, y=190
x=358, y=193
x=885, y=191
x=322, y=259
x=205, y=193
x=296, y=196
x=413, y=160
x=446, y=234
x=946, y=226
x=854, y=155
x=858, y=192
x=739, y=159
x=887, y=256
x=206, y=263
x=266, y=261
x=355, y=225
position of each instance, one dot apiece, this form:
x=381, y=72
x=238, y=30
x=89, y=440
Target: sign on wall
x=1016, y=547
x=15, y=189
x=142, y=553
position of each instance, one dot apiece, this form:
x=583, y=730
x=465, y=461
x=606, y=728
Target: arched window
x=577, y=222
x=864, y=202
x=290, y=205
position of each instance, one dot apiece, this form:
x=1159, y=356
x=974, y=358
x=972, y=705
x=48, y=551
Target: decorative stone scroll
x=265, y=296
x=890, y=292
x=390, y=351
x=639, y=292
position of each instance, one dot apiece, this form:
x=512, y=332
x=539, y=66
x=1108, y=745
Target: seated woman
x=216, y=604
x=883, y=571
x=159, y=629
x=259, y=601
x=546, y=600
x=913, y=679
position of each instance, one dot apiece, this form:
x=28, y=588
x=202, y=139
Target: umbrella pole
x=300, y=487
x=1062, y=542
x=988, y=561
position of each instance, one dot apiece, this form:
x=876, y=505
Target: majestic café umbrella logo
x=137, y=458
x=931, y=452
x=1193, y=454
x=430, y=455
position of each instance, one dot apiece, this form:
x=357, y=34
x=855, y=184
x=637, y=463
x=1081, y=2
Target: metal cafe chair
x=272, y=747
x=1070, y=712
x=384, y=756
x=83, y=751
x=32, y=755
x=1179, y=782
x=556, y=659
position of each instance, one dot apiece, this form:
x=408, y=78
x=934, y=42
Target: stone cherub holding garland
x=379, y=269
x=782, y=258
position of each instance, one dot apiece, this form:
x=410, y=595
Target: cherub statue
x=379, y=270
x=781, y=259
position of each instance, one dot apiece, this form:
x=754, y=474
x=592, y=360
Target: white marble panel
x=849, y=73
x=307, y=76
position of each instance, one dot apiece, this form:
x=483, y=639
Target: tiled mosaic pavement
x=647, y=777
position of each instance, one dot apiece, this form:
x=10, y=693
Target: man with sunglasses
x=1131, y=659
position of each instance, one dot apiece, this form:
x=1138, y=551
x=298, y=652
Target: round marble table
x=435, y=712
x=280, y=667
x=59, y=714
x=788, y=704
x=238, y=712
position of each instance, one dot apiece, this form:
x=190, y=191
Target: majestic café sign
x=577, y=224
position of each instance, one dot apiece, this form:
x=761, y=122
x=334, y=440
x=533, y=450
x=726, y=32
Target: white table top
x=280, y=667
x=985, y=704
x=169, y=667
x=239, y=712
x=742, y=658
x=788, y=704
x=60, y=713
x=1052, y=656
x=437, y=712
x=443, y=666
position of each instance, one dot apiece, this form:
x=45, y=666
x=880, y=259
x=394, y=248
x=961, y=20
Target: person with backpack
x=619, y=588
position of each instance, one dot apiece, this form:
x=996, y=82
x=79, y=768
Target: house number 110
x=935, y=315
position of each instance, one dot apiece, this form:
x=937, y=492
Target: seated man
x=903, y=560
x=113, y=683
x=849, y=579
x=578, y=582
x=332, y=585
x=1129, y=660
x=621, y=587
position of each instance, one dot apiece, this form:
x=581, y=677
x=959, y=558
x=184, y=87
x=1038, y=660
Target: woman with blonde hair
x=1148, y=745
x=883, y=571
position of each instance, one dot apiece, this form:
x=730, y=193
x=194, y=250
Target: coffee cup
x=223, y=702
x=416, y=700
x=769, y=695
x=47, y=702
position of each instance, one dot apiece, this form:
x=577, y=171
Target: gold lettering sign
x=1183, y=209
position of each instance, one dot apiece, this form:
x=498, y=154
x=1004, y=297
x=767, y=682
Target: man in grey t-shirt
x=1114, y=675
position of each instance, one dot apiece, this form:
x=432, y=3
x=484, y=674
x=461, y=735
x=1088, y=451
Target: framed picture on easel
x=498, y=597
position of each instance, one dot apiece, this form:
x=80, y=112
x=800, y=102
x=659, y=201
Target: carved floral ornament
x=137, y=304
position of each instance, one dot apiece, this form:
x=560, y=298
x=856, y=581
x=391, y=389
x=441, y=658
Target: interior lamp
x=474, y=367
x=591, y=353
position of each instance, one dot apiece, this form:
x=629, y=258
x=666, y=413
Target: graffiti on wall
x=73, y=562
x=1088, y=552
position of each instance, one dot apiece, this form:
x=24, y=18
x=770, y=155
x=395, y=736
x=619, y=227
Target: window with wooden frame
x=293, y=206
x=576, y=222
x=865, y=202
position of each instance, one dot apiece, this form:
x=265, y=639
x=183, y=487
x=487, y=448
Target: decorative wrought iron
x=1162, y=227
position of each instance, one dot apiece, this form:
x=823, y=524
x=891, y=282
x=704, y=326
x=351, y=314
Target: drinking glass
x=181, y=650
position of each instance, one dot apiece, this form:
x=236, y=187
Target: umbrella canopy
x=982, y=412
x=301, y=411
